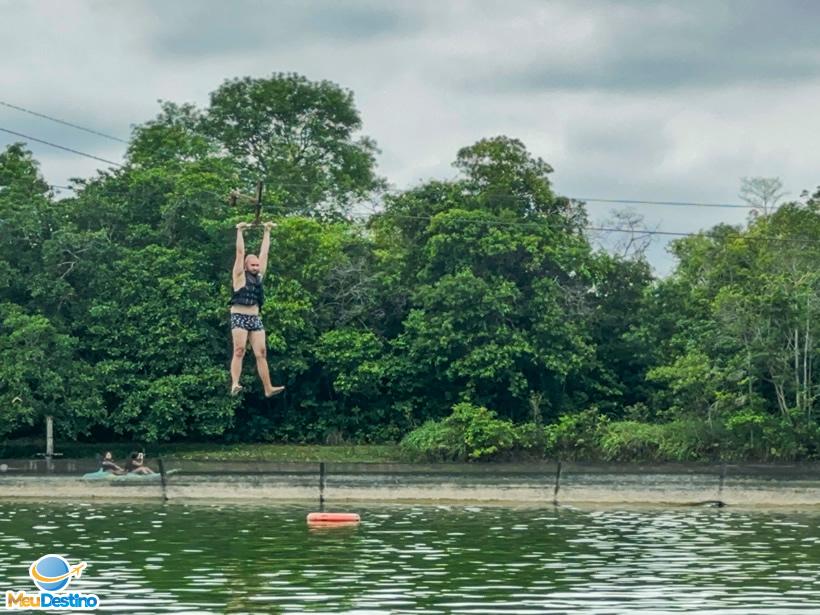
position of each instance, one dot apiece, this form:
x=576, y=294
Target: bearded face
x=252, y=264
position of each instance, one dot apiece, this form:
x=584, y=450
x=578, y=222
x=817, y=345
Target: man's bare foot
x=236, y=389
x=274, y=391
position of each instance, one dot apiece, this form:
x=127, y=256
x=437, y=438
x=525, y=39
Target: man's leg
x=260, y=352
x=240, y=340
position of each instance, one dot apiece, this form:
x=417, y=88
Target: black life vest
x=251, y=293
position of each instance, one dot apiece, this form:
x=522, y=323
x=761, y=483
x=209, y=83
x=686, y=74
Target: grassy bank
x=27, y=448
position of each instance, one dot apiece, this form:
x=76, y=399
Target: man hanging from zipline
x=246, y=301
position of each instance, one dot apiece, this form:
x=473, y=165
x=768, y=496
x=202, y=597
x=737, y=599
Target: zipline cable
x=391, y=190
x=62, y=147
x=59, y=121
x=366, y=217
x=577, y=200
x=584, y=200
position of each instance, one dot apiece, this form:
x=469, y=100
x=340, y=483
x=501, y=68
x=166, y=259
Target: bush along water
x=475, y=433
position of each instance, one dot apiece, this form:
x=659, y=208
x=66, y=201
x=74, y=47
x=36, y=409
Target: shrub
x=788, y=440
x=531, y=439
x=576, y=436
x=692, y=440
x=632, y=441
x=433, y=441
x=470, y=433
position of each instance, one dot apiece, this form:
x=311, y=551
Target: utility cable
x=62, y=147
x=59, y=121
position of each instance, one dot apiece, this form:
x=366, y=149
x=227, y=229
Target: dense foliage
x=474, y=311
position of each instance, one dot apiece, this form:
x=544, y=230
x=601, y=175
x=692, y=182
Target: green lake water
x=217, y=558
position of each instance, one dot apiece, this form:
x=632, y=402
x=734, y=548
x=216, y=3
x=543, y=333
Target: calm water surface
x=199, y=558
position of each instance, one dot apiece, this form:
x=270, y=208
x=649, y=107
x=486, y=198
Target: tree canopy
x=481, y=292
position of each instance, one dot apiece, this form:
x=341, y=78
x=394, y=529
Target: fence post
x=49, y=444
x=557, y=484
x=321, y=486
x=49, y=436
x=722, y=479
x=162, y=480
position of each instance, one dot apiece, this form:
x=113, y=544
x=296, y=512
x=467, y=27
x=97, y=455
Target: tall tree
x=763, y=194
x=299, y=136
x=494, y=270
x=744, y=348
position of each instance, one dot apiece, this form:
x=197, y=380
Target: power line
x=587, y=228
x=400, y=191
x=639, y=231
x=365, y=217
x=394, y=190
x=389, y=190
x=397, y=191
x=617, y=230
x=672, y=203
x=59, y=121
x=62, y=147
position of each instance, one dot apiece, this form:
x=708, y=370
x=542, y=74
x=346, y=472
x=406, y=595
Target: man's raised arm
x=239, y=263
x=263, y=251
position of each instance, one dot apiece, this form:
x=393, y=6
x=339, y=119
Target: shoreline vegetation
x=469, y=434
x=477, y=318
x=31, y=448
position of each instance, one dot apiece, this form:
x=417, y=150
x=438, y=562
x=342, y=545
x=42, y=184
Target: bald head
x=252, y=263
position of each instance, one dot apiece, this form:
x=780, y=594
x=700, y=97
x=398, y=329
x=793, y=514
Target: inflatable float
x=103, y=475
x=332, y=518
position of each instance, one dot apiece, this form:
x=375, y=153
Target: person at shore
x=107, y=464
x=246, y=301
x=136, y=464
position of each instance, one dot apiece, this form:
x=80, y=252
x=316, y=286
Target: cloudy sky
x=645, y=100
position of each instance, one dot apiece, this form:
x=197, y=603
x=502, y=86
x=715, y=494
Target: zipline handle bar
x=235, y=195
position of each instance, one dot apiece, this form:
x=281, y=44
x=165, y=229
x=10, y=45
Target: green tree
x=614, y=377
x=492, y=272
x=41, y=375
x=153, y=333
x=27, y=219
x=298, y=136
x=744, y=344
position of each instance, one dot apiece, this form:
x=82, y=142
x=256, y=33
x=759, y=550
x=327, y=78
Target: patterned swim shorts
x=249, y=322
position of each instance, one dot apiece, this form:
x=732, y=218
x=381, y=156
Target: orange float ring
x=330, y=517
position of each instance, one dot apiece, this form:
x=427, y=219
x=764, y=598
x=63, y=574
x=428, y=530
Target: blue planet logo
x=51, y=573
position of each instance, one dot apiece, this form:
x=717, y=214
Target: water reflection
x=446, y=559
